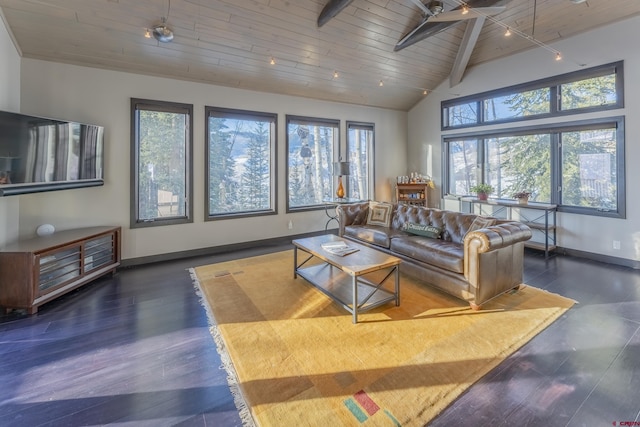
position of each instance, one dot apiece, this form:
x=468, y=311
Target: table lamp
x=339, y=169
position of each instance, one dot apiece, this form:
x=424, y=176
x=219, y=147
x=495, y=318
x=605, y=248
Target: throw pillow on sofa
x=379, y=214
x=422, y=230
x=481, y=222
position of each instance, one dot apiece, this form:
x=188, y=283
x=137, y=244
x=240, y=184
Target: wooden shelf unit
x=414, y=194
x=35, y=271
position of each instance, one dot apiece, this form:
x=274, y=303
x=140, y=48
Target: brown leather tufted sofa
x=474, y=266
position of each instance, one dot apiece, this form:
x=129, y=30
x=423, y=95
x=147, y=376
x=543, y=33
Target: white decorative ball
x=45, y=230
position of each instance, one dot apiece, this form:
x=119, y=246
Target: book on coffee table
x=339, y=248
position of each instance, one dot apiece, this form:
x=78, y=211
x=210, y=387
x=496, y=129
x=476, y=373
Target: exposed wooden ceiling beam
x=332, y=9
x=466, y=48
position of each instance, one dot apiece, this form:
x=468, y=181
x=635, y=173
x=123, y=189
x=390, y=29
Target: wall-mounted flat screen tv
x=41, y=154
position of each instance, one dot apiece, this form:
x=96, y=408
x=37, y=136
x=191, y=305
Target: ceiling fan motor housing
x=162, y=33
x=435, y=7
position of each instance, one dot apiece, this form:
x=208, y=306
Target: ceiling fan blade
x=332, y=9
x=432, y=25
x=424, y=30
x=412, y=32
x=474, y=12
x=422, y=7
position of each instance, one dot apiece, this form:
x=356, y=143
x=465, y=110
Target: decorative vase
x=45, y=230
x=340, y=192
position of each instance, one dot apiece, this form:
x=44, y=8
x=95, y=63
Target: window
x=578, y=166
x=460, y=115
x=462, y=155
x=241, y=163
x=312, y=147
x=516, y=105
x=360, y=137
x=589, y=168
x=161, y=161
x=516, y=163
x=589, y=93
x=594, y=89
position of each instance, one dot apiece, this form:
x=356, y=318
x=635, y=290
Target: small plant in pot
x=482, y=190
x=522, y=197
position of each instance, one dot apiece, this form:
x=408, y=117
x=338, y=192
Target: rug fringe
x=232, y=378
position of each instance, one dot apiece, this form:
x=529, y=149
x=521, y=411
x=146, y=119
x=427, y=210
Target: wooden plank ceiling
x=231, y=42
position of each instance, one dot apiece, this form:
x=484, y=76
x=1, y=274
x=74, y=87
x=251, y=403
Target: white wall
x=103, y=97
x=609, y=44
x=9, y=101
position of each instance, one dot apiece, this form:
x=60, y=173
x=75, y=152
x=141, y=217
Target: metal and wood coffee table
x=357, y=281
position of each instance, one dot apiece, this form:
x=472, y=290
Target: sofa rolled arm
x=496, y=237
x=351, y=214
x=487, y=240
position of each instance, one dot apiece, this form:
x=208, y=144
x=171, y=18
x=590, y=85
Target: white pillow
x=379, y=214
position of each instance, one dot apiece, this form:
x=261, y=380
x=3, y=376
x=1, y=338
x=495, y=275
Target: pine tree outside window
x=161, y=163
x=241, y=163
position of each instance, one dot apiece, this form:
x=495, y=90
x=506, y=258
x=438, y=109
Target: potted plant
x=482, y=190
x=522, y=197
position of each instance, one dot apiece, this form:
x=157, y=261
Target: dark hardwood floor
x=135, y=348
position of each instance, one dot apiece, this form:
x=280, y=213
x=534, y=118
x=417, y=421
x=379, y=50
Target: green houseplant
x=482, y=190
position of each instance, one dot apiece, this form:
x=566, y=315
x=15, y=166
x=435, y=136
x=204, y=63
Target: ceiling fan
x=436, y=19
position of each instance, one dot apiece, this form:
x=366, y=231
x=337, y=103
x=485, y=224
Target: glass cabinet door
x=58, y=268
x=98, y=252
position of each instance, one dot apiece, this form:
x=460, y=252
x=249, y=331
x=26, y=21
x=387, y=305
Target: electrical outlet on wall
x=616, y=244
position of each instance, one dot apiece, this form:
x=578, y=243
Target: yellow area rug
x=294, y=357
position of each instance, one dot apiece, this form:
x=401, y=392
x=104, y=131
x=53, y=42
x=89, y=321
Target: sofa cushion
x=373, y=234
x=379, y=214
x=423, y=230
x=446, y=255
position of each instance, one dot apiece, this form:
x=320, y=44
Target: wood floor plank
x=135, y=349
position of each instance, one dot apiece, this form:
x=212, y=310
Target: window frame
x=553, y=83
x=138, y=104
x=314, y=121
x=370, y=158
x=273, y=167
x=555, y=130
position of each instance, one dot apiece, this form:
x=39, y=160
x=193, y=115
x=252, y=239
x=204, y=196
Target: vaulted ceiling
x=234, y=42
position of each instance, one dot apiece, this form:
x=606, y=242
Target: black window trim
x=170, y=107
x=232, y=113
x=555, y=129
x=351, y=124
x=550, y=82
x=310, y=121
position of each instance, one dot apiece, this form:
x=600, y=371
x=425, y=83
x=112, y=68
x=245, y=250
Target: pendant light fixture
x=162, y=33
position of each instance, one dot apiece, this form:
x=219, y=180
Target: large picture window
x=578, y=166
x=161, y=163
x=360, y=149
x=241, y=165
x=312, y=147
